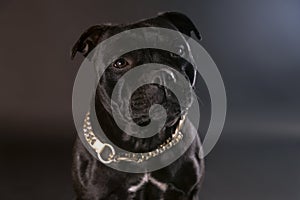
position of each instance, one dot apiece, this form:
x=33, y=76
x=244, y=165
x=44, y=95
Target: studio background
x=255, y=45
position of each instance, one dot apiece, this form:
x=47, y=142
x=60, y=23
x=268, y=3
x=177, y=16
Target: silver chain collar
x=99, y=146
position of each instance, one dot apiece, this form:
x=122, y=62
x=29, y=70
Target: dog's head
x=145, y=96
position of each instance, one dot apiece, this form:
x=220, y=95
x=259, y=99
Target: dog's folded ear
x=88, y=40
x=182, y=23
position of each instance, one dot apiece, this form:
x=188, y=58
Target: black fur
x=96, y=181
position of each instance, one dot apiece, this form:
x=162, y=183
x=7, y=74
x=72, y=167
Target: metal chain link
x=99, y=146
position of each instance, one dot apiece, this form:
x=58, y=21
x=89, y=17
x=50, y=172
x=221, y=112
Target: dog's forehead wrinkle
x=151, y=33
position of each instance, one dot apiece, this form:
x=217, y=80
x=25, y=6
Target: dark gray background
x=254, y=43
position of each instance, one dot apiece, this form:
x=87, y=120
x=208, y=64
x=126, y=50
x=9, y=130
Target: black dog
x=94, y=180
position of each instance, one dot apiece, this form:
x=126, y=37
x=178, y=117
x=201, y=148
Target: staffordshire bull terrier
x=181, y=180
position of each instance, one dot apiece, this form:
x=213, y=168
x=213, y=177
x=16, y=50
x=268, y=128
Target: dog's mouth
x=146, y=96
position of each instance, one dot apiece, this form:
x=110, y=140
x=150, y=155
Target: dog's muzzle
x=156, y=92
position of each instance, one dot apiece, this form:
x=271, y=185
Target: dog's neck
x=125, y=141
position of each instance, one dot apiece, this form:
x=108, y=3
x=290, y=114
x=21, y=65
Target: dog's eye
x=120, y=63
x=86, y=48
x=179, y=52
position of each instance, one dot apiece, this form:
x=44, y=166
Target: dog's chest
x=146, y=180
x=147, y=187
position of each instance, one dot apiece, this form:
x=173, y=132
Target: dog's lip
x=143, y=118
x=140, y=104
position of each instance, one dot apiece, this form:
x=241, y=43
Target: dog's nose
x=164, y=77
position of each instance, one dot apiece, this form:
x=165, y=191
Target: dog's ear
x=182, y=23
x=88, y=40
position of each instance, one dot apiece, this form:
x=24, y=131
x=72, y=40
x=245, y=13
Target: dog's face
x=147, y=95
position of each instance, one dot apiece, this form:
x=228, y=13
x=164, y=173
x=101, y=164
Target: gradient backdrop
x=255, y=44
